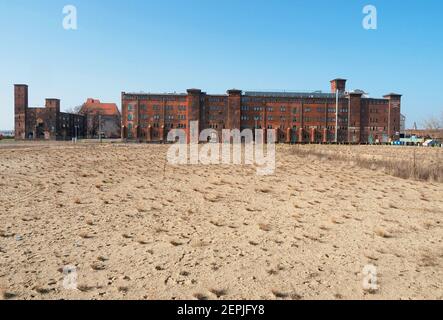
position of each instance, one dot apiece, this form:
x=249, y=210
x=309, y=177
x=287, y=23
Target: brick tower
x=52, y=115
x=20, y=107
x=338, y=84
x=354, y=117
x=193, y=111
x=393, y=130
x=234, y=105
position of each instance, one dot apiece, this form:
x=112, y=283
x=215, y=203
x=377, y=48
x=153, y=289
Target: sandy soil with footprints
x=137, y=229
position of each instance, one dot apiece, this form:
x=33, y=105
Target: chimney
x=338, y=84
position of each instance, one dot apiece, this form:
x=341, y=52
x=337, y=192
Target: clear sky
x=215, y=45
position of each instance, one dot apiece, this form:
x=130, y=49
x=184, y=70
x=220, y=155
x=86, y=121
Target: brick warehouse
x=48, y=123
x=298, y=117
x=44, y=123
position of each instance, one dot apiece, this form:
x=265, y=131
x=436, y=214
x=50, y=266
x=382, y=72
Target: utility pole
x=389, y=119
x=100, y=127
x=336, y=116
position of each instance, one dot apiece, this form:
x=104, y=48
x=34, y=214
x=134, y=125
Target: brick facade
x=297, y=117
x=44, y=123
x=104, y=117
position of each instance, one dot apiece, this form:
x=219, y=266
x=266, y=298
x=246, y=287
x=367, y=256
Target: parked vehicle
x=431, y=143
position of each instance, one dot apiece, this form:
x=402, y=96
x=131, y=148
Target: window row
x=143, y=107
x=157, y=117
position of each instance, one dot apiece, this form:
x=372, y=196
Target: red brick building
x=101, y=116
x=436, y=134
x=298, y=117
x=44, y=123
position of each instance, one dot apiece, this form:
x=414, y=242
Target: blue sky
x=215, y=45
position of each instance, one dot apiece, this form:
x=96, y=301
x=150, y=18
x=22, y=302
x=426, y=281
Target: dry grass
x=425, y=164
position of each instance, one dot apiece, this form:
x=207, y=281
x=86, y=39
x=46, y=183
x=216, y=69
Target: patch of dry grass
x=417, y=167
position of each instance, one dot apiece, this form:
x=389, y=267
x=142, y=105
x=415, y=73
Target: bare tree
x=432, y=123
x=74, y=110
x=92, y=123
x=117, y=122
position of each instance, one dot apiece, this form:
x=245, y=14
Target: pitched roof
x=94, y=106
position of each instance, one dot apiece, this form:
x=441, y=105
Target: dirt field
x=137, y=229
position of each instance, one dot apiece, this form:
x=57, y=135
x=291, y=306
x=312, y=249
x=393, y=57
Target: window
x=129, y=107
x=130, y=117
x=215, y=108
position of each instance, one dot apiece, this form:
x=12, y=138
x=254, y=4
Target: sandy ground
x=137, y=229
